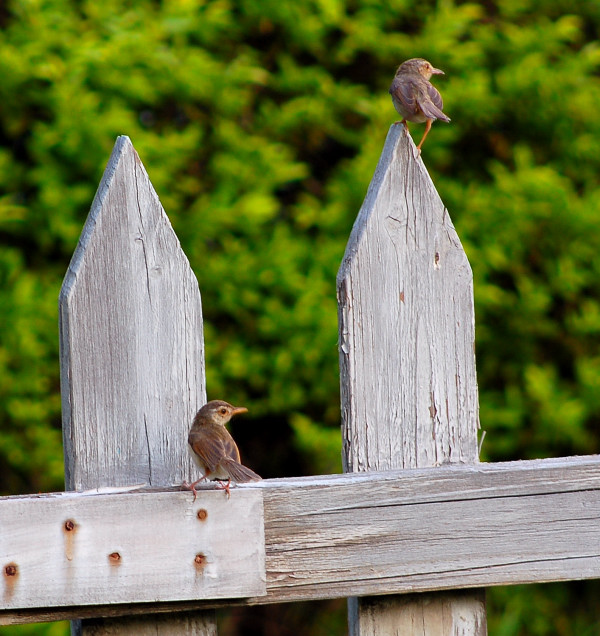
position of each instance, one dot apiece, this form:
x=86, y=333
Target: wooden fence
x=127, y=552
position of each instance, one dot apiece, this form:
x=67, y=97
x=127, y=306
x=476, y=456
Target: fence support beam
x=331, y=536
x=407, y=360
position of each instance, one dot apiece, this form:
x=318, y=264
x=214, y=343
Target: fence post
x=132, y=357
x=407, y=363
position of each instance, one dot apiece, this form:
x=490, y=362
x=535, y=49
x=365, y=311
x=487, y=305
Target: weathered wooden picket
x=128, y=552
x=407, y=361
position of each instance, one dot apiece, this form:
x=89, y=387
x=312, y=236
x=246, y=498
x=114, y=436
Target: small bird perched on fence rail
x=215, y=452
x=414, y=97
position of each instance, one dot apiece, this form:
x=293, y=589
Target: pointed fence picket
x=132, y=352
x=407, y=358
x=127, y=551
x=131, y=334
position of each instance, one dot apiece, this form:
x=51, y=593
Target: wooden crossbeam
x=339, y=535
x=80, y=549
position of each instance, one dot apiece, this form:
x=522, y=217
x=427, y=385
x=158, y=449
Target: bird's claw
x=226, y=487
x=220, y=486
x=192, y=487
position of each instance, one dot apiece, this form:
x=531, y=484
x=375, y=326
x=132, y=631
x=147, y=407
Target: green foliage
x=60, y=628
x=260, y=124
x=321, y=444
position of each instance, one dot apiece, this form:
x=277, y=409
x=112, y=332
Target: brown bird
x=215, y=452
x=414, y=97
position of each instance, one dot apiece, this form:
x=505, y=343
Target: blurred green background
x=260, y=123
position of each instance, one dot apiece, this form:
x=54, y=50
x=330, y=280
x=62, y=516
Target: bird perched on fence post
x=414, y=97
x=215, y=452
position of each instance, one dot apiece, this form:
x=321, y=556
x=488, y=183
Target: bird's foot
x=193, y=485
x=226, y=487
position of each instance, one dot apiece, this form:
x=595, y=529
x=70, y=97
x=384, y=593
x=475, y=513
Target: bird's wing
x=231, y=449
x=214, y=446
x=404, y=89
x=431, y=103
x=238, y=472
x=434, y=96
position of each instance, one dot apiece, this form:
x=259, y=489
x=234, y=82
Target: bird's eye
x=223, y=411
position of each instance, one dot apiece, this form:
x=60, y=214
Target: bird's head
x=218, y=412
x=420, y=66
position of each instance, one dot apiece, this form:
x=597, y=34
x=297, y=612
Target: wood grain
x=434, y=529
x=406, y=322
x=132, y=350
x=407, y=362
x=416, y=530
x=422, y=615
x=131, y=337
x=122, y=549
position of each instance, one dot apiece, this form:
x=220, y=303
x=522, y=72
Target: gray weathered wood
x=433, y=529
x=421, y=614
x=132, y=351
x=143, y=548
x=417, y=530
x=407, y=333
x=407, y=362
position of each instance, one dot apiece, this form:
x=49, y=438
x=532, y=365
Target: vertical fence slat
x=132, y=352
x=407, y=362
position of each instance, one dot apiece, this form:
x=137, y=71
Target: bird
x=214, y=450
x=414, y=97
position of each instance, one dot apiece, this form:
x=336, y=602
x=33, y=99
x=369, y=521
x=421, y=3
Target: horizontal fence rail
x=341, y=535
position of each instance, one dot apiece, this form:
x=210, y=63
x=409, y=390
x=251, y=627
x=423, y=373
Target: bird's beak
x=437, y=71
x=239, y=409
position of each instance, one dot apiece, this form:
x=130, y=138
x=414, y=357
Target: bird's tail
x=433, y=112
x=238, y=472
